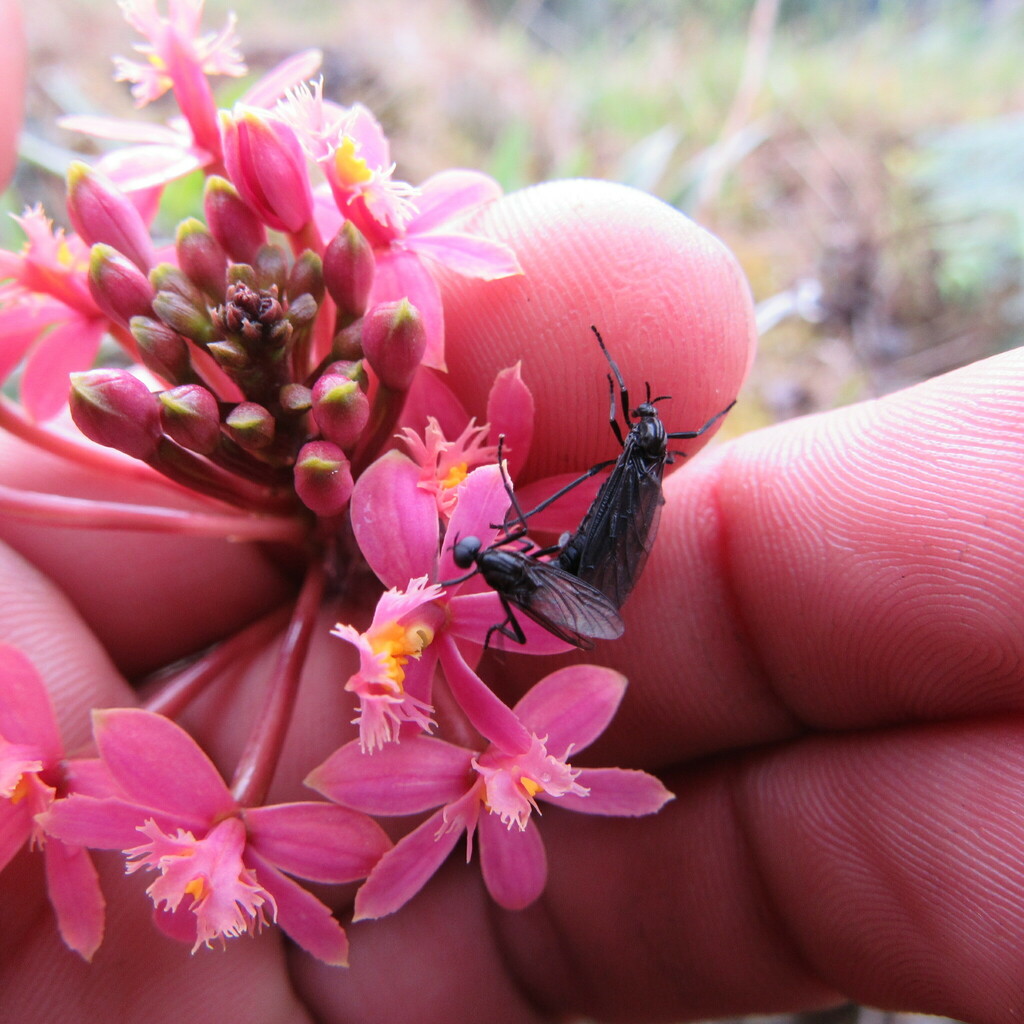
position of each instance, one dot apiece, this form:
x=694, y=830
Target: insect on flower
x=610, y=547
x=559, y=601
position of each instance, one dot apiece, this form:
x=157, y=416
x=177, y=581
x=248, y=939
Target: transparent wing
x=618, y=532
x=566, y=606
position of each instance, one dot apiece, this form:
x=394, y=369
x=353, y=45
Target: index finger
x=668, y=298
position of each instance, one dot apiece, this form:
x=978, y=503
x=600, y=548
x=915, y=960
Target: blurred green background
x=864, y=160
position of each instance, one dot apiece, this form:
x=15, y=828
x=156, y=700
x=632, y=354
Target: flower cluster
x=276, y=358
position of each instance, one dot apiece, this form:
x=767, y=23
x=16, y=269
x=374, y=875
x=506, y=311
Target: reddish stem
x=86, y=514
x=180, y=689
x=384, y=413
x=258, y=761
x=84, y=453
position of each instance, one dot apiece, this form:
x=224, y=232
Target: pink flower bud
x=251, y=425
x=307, y=276
x=180, y=304
x=190, y=415
x=348, y=271
x=101, y=213
x=231, y=222
x=323, y=478
x=113, y=408
x=268, y=167
x=394, y=340
x=164, y=351
x=201, y=257
x=348, y=343
x=296, y=399
x=340, y=408
x=117, y=285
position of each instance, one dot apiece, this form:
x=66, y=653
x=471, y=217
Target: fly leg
x=508, y=627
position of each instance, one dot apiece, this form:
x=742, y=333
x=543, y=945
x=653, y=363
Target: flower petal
x=482, y=500
x=145, y=167
x=625, y=792
x=322, y=842
x=395, y=520
x=71, y=346
x=74, y=890
x=451, y=194
x=472, y=616
x=269, y=88
x=26, y=710
x=303, y=918
x=403, y=871
x=101, y=824
x=510, y=413
x=159, y=765
x=402, y=778
x=467, y=255
x=513, y=862
x=401, y=275
x=572, y=706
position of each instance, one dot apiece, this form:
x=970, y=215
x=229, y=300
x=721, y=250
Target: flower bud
x=117, y=285
x=340, y=408
x=180, y=304
x=99, y=212
x=268, y=167
x=307, y=276
x=348, y=343
x=164, y=351
x=353, y=369
x=231, y=222
x=323, y=478
x=348, y=271
x=296, y=399
x=190, y=415
x=271, y=266
x=251, y=425
x=394, y=340
x=115, y=409
x=302, y=311
x=229, y=354
x=201, y=257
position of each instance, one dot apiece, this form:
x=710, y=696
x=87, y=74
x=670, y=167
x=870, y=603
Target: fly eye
x=465, y=551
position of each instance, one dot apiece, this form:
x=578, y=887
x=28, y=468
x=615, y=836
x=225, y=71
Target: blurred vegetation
x=863, y=158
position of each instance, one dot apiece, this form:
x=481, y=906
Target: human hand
x=798, y=662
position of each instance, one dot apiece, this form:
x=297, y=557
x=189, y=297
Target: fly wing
x=618, y=533
x=568, y=607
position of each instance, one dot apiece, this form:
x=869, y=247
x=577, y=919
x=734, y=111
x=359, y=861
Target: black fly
x=611, y=545
x=559, y=601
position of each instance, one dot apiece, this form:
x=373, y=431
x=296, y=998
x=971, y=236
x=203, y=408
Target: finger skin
x=668, y=298
x=823, y=655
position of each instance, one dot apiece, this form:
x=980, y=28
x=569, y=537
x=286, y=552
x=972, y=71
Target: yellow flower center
x=455, y=476
x=531, y=787
x=196, y=888
x=395, y=644
x=20, y=790
x=352, y=169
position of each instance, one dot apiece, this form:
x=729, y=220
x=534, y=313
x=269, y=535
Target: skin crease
x=825, y=656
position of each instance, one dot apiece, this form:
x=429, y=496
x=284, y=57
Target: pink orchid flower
x=170, y=812
x=391, y=691
x=493, y=792
x=180, y=58
x=47, y=315
x=31, y=776
x=409, y=228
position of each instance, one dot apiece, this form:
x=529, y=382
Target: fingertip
x=668, y=297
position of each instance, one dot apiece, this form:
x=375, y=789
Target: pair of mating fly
x=577, y=595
